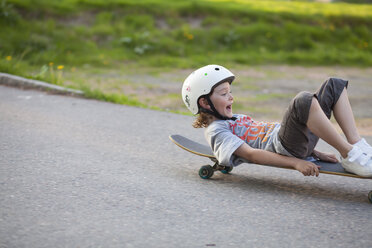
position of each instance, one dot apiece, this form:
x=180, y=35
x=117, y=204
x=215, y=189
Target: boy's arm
x=259, y=156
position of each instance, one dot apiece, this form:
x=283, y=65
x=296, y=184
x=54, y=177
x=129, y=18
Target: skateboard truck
x=207, y=171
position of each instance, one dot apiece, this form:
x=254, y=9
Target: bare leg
x=345, y=118
x=321, y=126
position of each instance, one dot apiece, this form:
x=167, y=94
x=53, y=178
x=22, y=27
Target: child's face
x=223, y=99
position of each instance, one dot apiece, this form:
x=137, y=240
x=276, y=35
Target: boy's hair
x=203, y=120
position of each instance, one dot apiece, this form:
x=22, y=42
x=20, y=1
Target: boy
x=237, y=138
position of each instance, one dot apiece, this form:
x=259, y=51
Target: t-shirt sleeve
x=223, y=143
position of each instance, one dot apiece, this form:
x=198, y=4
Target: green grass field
x=59, y=41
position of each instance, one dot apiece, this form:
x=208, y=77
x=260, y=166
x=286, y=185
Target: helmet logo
x=188, y=88
x=187, y=100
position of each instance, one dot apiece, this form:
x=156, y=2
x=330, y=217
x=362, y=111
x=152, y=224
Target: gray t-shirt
x=225, y=136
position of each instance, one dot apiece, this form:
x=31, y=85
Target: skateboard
x=207, y=171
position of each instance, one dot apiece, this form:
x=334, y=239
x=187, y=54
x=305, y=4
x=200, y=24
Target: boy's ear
x=204, y=103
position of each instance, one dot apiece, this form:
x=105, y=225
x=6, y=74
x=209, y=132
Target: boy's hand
x=307, y=168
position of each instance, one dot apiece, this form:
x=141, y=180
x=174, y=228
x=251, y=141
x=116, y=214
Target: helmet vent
x=217, y=69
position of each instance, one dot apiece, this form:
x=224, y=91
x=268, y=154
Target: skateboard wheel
x=227, y=170
x=206, y=171
x=370, y=196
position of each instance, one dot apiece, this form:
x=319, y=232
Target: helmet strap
x=214, y=111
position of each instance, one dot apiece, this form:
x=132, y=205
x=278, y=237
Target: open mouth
x=229, y=107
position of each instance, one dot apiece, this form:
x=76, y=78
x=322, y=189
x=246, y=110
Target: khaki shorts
x=294, y=135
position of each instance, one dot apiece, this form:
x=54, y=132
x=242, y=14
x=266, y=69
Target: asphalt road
x=83, y=173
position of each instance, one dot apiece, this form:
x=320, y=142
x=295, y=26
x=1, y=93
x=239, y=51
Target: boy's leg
x=322, y=127
x=332, y=96
x=307, y=118
x=345, y=118
x=294, y=133
x=329, y=95
x=355, y=159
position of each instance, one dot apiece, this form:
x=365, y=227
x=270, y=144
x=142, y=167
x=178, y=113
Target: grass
x=187, y=33
x=91, y=36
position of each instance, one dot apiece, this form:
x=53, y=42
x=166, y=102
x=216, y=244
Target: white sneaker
x=362, y=144
x=358, y=162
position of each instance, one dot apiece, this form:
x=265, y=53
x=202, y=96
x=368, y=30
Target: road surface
x=83, y=173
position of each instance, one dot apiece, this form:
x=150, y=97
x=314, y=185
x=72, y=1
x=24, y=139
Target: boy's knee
x=334, y=84
x=303, y=95
x=329, y=93
x=303, y=99
x=302, y=103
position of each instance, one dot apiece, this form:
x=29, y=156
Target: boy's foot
x=358, y=162
x=362, y=144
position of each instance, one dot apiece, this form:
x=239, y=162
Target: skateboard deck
x=206, y=151
x=207, y=171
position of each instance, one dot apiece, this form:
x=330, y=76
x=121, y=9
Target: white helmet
x=201, y=82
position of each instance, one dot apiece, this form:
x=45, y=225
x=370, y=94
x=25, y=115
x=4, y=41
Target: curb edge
x=25, y=83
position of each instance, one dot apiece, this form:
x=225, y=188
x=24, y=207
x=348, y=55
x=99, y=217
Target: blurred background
x=138, y=52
